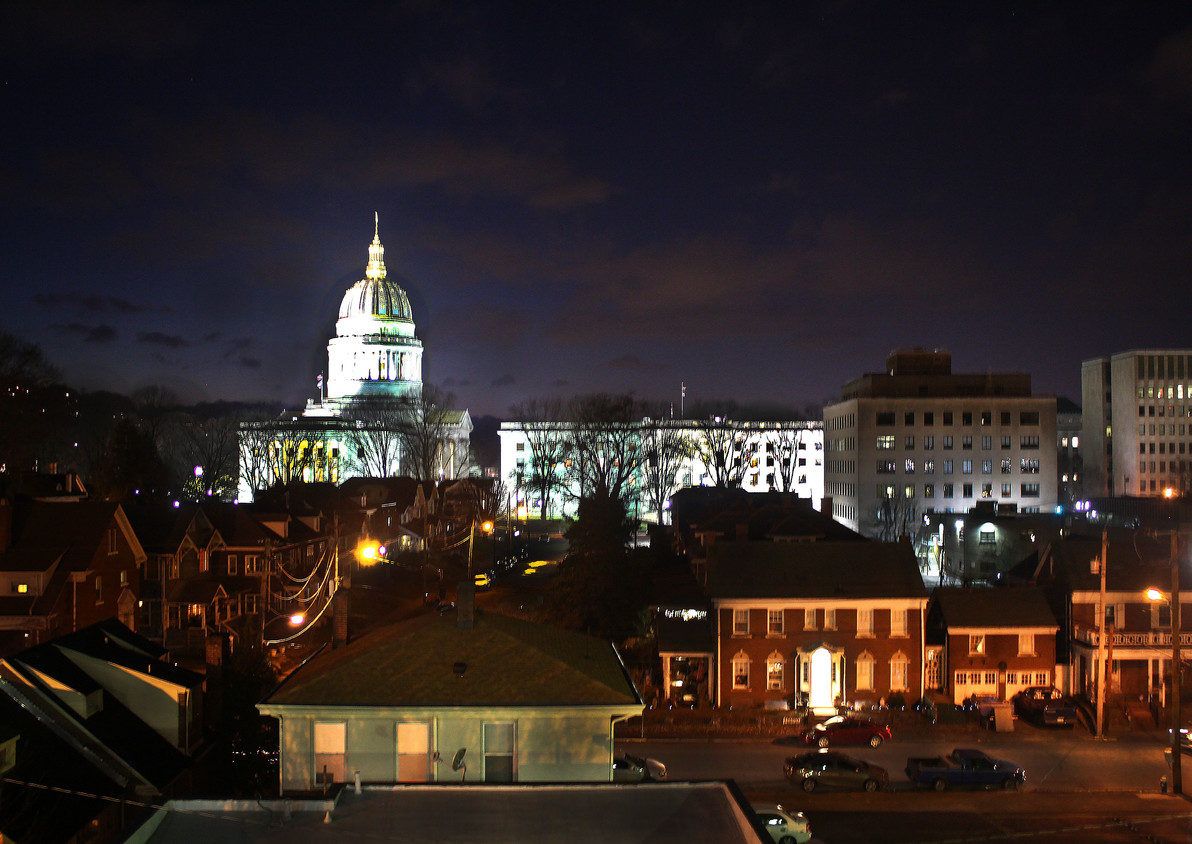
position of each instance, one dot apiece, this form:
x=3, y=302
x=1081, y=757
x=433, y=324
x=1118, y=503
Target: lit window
x=864, y=622
x=898, y=622
x=741, y=671
x=976, y=644
x=775, y=672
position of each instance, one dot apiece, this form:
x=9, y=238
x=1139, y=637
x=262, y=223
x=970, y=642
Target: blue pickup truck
x=964, y=768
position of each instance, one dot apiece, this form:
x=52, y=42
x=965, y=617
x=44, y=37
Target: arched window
x=865, y=664
x=741, y=670
x=899, y=669
x=775, y=672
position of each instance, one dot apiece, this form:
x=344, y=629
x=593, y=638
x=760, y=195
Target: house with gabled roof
x=825, y=623
x=64, y=565
x=995, y=641
x=471, y=696
x=1137, y=631
x=99, y=710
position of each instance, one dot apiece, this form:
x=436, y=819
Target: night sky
x=758, y=199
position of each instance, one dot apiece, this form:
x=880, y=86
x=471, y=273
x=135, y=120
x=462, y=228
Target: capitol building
x=372, y=417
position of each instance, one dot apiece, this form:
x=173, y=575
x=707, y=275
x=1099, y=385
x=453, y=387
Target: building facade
x=1137, y=426
x=823, y=623
x=919, y=439
x=757, y=457
x=372, y=417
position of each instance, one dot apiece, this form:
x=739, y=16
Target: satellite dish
x=457, y=761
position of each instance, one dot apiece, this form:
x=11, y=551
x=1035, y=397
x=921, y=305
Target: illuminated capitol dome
x=374, y=353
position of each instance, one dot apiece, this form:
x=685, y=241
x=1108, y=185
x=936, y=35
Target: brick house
x=996, y=641
x=825, y=622
x=64, y=565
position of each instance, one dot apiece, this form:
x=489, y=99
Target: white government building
x=375, y=357
x=760, y=445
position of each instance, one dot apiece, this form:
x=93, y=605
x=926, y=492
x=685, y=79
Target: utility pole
x=1101, y=639
x=1177, y=784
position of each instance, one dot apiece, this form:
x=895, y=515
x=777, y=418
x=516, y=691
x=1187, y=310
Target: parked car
x=1044, y=705
x=630, y=768
x=1185, y=747
x=832, y=769
x=843, y=729
x=784, y=827
x=964, y=767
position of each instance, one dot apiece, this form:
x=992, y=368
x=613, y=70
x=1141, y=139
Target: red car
x=844, y=730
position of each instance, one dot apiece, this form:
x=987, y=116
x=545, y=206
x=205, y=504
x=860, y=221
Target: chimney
x=826, y=505
x=465, y=605
x=5, y=525
x=339, y=618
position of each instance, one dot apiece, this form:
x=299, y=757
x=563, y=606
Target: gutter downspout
x=922, y=650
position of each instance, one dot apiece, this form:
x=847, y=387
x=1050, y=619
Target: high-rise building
x=920, y=439
x=1137, y=429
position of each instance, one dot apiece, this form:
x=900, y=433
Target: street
x=1078, y=789
x=1055, y=760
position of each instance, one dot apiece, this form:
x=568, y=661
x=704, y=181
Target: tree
x=542, y=423
x=429, y=451
x=256, y=436
x=130, y=465
x=376, y=437
x=895, y=517
x=784, y=446
x=203, y=454
x=32, y=406
x=604, y=445
x=665, y=450
x=720, y=447
x=599, y=585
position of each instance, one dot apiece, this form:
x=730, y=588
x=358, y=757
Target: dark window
x=1005, y=417
x=947, y=417
x=1029, y=417
x=885, y=419
x=987, y=417
x=928, y=417
x=908, y=418
x=966, y=418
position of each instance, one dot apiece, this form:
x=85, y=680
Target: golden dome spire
x=376, y=252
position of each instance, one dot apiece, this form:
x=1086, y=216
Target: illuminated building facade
x=765, y=457
x=919, y=439
x=373, y=394
x=1137, y=426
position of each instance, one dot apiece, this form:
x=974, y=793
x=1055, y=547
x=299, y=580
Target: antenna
x=457, y=762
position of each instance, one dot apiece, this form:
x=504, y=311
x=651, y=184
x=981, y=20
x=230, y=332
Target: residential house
x=476, y=697
x=995, y=641
x=825, y=623
x=102, y=711
x=64, y=564
x=1137, y=630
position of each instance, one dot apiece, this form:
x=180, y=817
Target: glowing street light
x=369, y=552
x=297, y=619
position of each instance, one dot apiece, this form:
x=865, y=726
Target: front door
x=819, y=692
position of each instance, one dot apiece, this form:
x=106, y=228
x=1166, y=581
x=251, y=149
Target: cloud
x=249, y=363
x=628, y=363
x=212, y=336
x=503, y=381
x=90, y=333
x=157, y=338
x=91, y=302
x=448, y=383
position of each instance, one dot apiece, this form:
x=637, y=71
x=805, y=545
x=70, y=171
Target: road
x=1079, y=790
x=1055, y=761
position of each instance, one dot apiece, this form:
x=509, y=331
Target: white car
x=783, y=826
x=629, y=768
